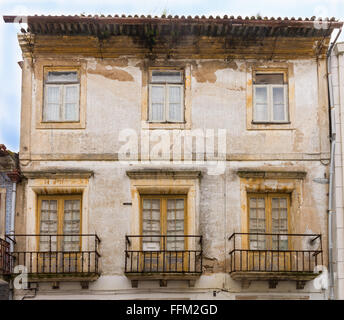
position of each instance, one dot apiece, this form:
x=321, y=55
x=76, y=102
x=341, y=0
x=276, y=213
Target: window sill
x=256, y=125
x=61, y=125
x=76, y=121
x=166, y=125
x=271, y=122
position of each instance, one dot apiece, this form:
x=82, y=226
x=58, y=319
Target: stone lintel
x=271, y=174
x=164, y=174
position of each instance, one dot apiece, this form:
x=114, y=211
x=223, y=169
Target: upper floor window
x=270, y=92
x=61, y=96
x=166, y=96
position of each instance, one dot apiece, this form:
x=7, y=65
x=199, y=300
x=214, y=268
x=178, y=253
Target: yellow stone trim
x=146, y=71
x=41, y=68
x=270, y=67
x=60, y=187
x=187, y=187
x=293, y=187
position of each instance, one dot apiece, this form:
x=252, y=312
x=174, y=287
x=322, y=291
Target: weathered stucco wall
x=337, y=79
x=218, y=100
x=219, y=213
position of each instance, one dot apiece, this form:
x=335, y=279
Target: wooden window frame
x=163, y=215
x=42, y=67
x=269, y=87
x=60, y=215
x=268, y=211
x=166, y=86
x=180, y=66
x=62, y=85
x=285, y=68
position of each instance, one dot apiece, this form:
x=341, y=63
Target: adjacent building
x=173, y=157
x=9, y=178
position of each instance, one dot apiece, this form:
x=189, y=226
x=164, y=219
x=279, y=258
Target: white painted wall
x=337, y=72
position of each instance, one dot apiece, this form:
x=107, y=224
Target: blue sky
x=10, y=73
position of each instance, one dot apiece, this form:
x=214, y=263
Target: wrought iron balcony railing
x=5, y=258
x=170, y=254
x=56, y=255
x=275, y=253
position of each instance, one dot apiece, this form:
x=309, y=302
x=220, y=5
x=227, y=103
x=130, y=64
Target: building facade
x=172, y=157
x=336, y=68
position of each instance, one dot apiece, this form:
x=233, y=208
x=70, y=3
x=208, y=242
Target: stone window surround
x=287, y=69
x=61, y=185
x=166, y=182
x=274, y=181
x=156, y=65
x=40, y=70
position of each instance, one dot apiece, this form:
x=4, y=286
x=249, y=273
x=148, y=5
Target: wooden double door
x=163, y=230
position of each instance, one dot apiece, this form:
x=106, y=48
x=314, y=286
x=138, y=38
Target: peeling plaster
x=206, y=70
x=110, y=71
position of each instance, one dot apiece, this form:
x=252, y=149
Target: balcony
x=5, y=259
x=275, y=257
x=59, y=257
x=157, y=258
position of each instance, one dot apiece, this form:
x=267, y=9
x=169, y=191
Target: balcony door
x=59, y=232
x=269, y=218
x=163, y=227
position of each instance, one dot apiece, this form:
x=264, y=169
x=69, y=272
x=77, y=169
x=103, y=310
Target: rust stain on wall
x=205, y=71
x=111, y=72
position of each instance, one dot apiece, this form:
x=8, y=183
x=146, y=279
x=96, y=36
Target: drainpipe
x=331, y=213
x=331, y=210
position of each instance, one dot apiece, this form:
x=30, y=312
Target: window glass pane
x=261, y=112
x=257, y=222
x=151, y=224
x=261, y=95
x=283, y=203
x=157, y=103
x=275, y=203
x=261, y=203
x=71, y=94
x=269, y=78
x=261, y=106
x=71, y=225
x=166, y=76
x=71, y=103
x=71, y=113
x=175, y=224
x=48, y=225
x=51, y=108
x=62, y=76
x=278, y=104
x=175, y=110
x=279, y=222
x=53, y=94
